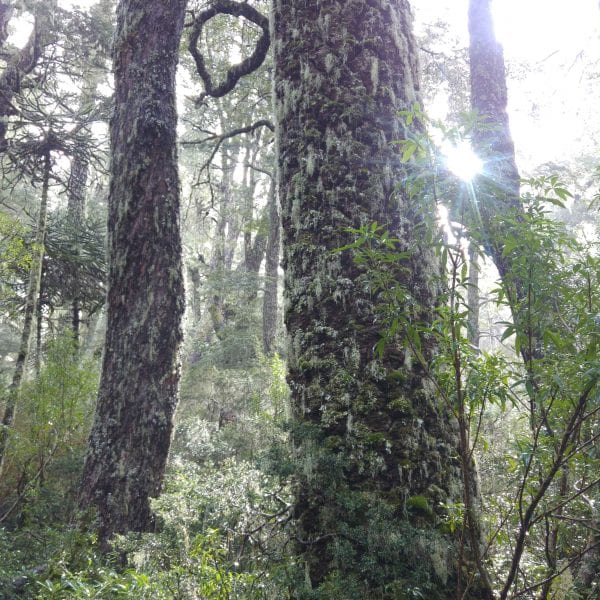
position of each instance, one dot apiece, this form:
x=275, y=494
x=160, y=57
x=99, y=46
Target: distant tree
x=131, y=434
x=21, y=62
x=94, y=46
x=229, y=135
x=270, y=297
x=46, y=129
x=492, y=138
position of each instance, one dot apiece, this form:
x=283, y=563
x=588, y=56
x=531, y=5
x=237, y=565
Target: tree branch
x=235, y=72
x=224, y=136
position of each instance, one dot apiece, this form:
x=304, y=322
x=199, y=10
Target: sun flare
x=462, y=161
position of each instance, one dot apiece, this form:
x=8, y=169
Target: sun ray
x=462, y=161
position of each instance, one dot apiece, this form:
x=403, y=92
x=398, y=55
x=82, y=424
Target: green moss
x=334, y=442
x=395, y=376
x=419, y=505
x=402, y=404
x=342, y=380
x=375, y=438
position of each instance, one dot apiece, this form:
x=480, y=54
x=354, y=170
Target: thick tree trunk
x=131, y=434
x=376, y=451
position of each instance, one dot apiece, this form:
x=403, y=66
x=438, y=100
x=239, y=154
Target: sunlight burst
x=462, y=161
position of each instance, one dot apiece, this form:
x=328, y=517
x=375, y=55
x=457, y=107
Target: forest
x=299, y=299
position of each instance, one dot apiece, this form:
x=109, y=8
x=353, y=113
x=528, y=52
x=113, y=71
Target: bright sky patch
x=462, y=161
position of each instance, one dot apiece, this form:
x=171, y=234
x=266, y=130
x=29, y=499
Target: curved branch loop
x=235, y=72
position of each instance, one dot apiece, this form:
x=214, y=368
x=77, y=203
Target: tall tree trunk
x=489, y=98
x=376, y=450
x=31, y=302
x=269, y=309
x=498, y=188
x=222, y=252
x=131, y=434
x=254, y=247
x=473, y=298
x=39, y=322
x=76, y=205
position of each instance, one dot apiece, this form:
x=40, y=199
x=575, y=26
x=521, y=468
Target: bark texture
x=270, y=305
x=376, y=452
x=131, y=433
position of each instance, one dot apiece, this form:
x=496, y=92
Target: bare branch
x=235, y=72
x=224, y=136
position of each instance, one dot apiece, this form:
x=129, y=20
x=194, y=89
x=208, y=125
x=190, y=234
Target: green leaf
x=379, y=348
x=510, y=330
x=555, y=201
x=409, y=149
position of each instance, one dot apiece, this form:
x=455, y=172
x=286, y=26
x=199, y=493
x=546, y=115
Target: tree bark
x=270, y=296
x=473, y=298
x=489, y=97
x=376, y=450
x=131, y=434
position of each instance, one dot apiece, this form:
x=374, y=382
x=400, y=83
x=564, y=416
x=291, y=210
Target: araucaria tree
x=131, y=433
x=376, y=449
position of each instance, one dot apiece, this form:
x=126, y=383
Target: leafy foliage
x=49, y=438
x=549, y=481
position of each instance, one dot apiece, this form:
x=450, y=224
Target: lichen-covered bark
x=376, y=451
x=131, y=433
x=270, y=303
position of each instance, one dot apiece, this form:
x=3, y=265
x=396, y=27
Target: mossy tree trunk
x=270, y=309
x=376, y=450
x=131, y=433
